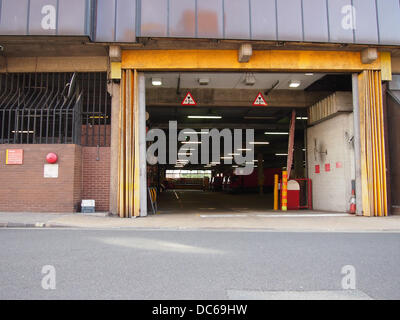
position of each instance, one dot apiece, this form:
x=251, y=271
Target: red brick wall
x=96, y=176
x=93, y=135
x=23, y=187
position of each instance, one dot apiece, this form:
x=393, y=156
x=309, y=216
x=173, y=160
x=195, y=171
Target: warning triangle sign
x=260, y=101
x=189, y=101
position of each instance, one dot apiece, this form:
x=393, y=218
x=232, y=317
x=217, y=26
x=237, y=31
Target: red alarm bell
x=51, y=158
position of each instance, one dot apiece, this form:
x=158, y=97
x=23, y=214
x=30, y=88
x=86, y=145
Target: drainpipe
x=357, y=145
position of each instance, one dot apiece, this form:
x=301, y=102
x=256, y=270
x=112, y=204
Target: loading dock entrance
x=131, y=176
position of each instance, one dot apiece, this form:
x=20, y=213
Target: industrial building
x=86, y=85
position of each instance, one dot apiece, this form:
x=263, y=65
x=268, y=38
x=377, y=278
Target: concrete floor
x=206, y=202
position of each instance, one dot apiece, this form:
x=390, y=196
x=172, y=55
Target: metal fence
x=48, y=108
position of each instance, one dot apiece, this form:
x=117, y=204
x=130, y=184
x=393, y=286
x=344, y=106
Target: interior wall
x=394, y=151
x=332, y=185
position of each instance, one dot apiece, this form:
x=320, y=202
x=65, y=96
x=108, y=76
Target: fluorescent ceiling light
x=215, y=162
x=156, y=82
x=309, y=74
x=302, y=118
x=259, y=143
x=294, y=83
x=233, y=154
x=204, y=81
x=281, y=154
x=191, y=142
x=276, y=133
x=227, y=158
x=188, y=149
x=250, y=79
x=185, y=154
x=22, y=131
x=244, y=149
x=204, y=117
x=196, y=133
x=258, y=118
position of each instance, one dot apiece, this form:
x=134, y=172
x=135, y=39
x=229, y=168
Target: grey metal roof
x=375, y=22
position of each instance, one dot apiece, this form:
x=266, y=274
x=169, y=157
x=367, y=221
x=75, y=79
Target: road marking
x=223, y=215
x=298, y=295
x=276, y=215
x=311, y=215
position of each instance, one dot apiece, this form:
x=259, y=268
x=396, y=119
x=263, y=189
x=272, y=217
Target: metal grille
x=48, y=108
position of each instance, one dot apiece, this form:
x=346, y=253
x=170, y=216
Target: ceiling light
x=188, y=149
x=185, y=154
x=281, y=154
x=302, y=118
x=226, y=158
x=276, y=133
x=204, y=117
x=22, y=131
x=244, y=149
x=156, y=82
x=309, y=74
x=294, y=83
x=259, y=143
x=196, y=133
x=258, y=118
x=233, y=154
x=204, y=81
x=250, y=80
x=191, y=142
x=215, y=162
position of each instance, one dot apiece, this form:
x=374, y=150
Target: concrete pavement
x=269, y=220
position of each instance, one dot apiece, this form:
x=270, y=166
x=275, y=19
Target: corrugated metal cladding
x=337, y=21
x=46, y=17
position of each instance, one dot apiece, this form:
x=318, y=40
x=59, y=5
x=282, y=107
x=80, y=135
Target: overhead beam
x=262, y=60
x=217, y=125
x=167, y=97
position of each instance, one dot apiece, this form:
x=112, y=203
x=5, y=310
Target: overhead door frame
x=131, y=179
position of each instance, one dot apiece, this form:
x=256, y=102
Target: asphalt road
x=162, y=264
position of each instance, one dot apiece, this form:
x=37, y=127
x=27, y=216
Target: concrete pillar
x=357, y=145
x=115, y=109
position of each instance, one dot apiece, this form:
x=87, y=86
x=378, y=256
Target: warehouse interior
x=224, y=100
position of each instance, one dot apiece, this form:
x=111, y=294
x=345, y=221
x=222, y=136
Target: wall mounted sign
x=189, y=100
x=327, y=167
x=14, y=156
x=260, y=101
x=50, y=171
x=317, y=169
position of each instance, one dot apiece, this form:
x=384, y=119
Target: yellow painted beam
x=266, y=60
x=386, y=66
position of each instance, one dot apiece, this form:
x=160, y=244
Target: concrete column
x=357, y=144
x=115, y=109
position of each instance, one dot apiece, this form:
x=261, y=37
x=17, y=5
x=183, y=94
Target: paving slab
x=293, y=221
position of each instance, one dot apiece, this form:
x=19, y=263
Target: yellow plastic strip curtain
x=128, y=165
x=373, y=160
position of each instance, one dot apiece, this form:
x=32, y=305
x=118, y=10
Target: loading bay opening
x=200, y=181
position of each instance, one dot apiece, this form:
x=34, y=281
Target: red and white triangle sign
x=260, y=101
x=189, y=100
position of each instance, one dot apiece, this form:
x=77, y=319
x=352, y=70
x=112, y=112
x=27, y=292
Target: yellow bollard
x=284, y=190
x=276, y=193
